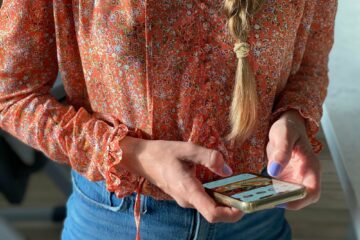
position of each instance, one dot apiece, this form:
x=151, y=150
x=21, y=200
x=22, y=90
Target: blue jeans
x=93, y=213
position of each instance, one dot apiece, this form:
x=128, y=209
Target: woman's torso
x=168, y=68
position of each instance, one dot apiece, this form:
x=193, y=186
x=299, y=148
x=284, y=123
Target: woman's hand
x=291, y=157
x=170, y=165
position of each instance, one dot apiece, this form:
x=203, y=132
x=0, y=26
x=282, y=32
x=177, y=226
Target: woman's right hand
x=170, y=165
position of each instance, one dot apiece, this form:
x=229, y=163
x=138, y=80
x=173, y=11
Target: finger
x=210, y=158
x=305, y=155
x=211, y=211
x=313, y=195
x=312, y=182
x=279, y=149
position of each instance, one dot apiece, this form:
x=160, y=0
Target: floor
x=328, y=219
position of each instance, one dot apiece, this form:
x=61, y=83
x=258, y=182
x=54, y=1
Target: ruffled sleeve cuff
x=119, y=180
x=312, y=123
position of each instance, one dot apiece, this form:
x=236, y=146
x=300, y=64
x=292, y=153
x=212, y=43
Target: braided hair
x=243, y=111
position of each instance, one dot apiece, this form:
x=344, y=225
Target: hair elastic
x=241, y=49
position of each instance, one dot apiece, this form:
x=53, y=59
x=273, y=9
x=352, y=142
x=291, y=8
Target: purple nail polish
x=275, y=169
x=227, y=170
x=282, y=205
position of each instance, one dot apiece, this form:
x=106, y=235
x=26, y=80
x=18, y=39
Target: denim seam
x=92, y=201
x=143, y=203
x=210, y=234
x=197, y=226
x=124, y=203
x=192, y=226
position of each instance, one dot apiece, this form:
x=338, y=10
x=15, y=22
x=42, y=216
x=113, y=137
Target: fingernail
x=283, y=205
x=227, y=170
x=274, y=169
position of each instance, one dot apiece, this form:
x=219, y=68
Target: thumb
x=279, y=151
x=211, y=159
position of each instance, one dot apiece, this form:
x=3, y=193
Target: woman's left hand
x=291, y=157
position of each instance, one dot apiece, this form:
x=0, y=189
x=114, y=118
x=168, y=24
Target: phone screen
x=250, y=187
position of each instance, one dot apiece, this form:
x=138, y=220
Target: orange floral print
x=155, y=70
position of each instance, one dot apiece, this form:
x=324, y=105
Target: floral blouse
x=154, y=69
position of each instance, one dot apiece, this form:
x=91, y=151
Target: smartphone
x=251, y=192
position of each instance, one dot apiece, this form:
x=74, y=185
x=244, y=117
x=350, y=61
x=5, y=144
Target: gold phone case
x=224, y=190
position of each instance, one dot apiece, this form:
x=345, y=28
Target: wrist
x=130, y=150
x=294, y=116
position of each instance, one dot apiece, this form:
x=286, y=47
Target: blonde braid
x=243, y=111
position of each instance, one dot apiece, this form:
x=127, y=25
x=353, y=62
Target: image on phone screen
x=250, y=187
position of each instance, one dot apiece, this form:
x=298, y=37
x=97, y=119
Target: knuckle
x=297, y=208
x=281, y=154
x=183, y=204
x=191, y=199
x=191, y=150
x=211, y=219
x=281, y=151
x=298, y=205
x=317, y=189
x=316, y=197
x=235, y=219
x=283, y=141
x=190, y=146
x=211, y=216
x=286, y=146
x=185, y=188
x=181, y=189
x=178, y=150
x=192, y=193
